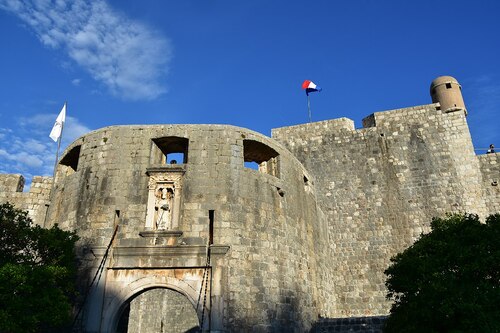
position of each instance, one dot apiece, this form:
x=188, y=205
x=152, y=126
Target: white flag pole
x=59, y=142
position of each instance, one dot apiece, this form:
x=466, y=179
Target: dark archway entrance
x=158, y=310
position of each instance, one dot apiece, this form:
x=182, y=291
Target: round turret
x=446, y=91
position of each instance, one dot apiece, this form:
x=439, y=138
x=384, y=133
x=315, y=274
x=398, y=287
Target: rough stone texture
x=380, y=186
x=35, y=202
x=306, y=236
x=353, y=324
x=268, y=237
x=162, y=310
x=490, y=169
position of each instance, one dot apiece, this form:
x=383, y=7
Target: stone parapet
x=490, y=171
x=35, y=202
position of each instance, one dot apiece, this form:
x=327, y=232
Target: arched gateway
x=158, y=310
x=148, y=306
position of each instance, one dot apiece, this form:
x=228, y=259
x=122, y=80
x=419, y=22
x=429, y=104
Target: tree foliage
x=449, y=280
x=37, y=274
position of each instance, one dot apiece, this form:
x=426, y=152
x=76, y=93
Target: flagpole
x=57, y=157
x=309, y=108
x=309, y=86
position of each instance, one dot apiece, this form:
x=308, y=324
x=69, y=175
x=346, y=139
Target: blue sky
x=233, y=62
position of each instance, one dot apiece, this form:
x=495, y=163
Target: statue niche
x=164, y=199
x=164, y=208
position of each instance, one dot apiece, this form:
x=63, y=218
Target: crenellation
x=35, y=202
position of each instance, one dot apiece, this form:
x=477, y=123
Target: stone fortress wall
x=262, y=227
x=304, y=238
x=35, y=202
x=380, y=186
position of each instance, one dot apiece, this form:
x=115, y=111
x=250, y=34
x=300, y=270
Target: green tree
x=37, y=274
x=449, y=280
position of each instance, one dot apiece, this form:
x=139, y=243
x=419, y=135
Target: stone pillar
x=151, y=205
x=217, y=287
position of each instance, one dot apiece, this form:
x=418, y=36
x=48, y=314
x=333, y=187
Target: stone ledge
x=158, y=168
x=160, y=233
x=219, y=249
x=174, y=251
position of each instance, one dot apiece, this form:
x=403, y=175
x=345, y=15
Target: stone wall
x=379, y=187
x=373, y=324
x=266, y=235
x=298, y=245
x=162, y=310
x=490, y=170
x=35, y=202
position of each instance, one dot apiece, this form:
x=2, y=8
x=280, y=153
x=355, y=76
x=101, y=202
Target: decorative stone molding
x=175, y=251
x=162, y=237
x=160, y=233
x=164, y=197
x=218, y=249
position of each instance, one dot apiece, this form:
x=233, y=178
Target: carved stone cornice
x=160, y=251
x=165, y=176
x=219, y=249
x=160, y=233
x=170, y=168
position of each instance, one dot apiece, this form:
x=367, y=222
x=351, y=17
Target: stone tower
x=446, y=91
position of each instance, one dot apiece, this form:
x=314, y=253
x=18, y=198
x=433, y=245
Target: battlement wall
x=490, y=170
x=11, y=183
x=35, y=201
x=380, y=186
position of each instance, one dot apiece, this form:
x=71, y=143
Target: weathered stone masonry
x=293, y=245
x=35, y=202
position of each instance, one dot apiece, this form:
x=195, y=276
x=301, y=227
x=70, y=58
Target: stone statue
x=163, y=208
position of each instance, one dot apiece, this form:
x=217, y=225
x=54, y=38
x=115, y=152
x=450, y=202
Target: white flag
x=57, y=129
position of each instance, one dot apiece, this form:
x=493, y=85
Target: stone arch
x=125, y=293
x=159, y=310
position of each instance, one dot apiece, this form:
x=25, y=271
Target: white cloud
x=127, y=56
x=27, y=149
x=26, y=159
x=36, y=146
x=3, y=153
x=73, y=129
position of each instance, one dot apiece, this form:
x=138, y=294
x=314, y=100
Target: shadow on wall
x=151, y=310
x=154, y=309
x=166, y=310
x=283, y=318
x=87, y=284
x=355, y=324
x=158, y=310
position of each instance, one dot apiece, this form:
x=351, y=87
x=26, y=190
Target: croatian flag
x=309, y=86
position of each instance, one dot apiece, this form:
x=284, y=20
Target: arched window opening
x=69, y=163
x=170, y=150
x=259, y=156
